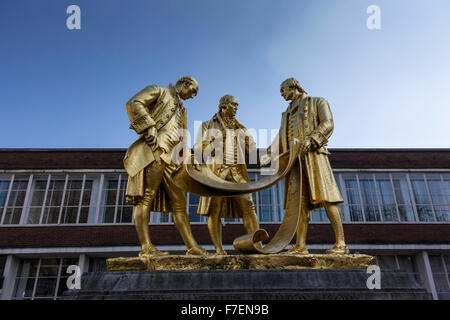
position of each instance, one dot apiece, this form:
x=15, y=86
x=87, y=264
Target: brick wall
x=16, y=159
x=81, y=236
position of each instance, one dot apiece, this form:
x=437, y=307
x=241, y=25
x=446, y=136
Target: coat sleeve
x=323, y=131
x=137, y=108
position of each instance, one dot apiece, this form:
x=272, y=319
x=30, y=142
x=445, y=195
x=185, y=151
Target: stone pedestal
x=245, y=277
x=345, y=284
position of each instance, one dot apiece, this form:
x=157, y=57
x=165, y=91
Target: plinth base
x=242, y=262
x=321, y=284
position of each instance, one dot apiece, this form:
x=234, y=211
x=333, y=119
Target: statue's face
x=288, y=93
x=229, y=108
x=188, y=91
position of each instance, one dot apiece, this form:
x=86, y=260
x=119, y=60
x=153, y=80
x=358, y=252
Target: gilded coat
x=231, y=209
x=317, y=120
x=153, y=105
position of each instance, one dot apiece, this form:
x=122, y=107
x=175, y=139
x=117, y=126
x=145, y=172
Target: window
x=97, y=265
x=353, y=200
x=16, y=200
x=438, y=197
x=2, y=270
x=265, y=203
x=402, y=263
x=42, y=279
x=4, y=187
x=59, y=199
x=193, y=201
x=402, y=194
x=387, y=199
x=440, y=266
x=114, y=207
x=423, y=202
x=369, y=197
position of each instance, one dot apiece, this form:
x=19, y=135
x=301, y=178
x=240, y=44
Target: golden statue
x=224, y=127
x=300, y=156
x=308, y=120
x=157, y=114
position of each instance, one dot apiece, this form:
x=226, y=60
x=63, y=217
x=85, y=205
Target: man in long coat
x=157, y=114
x=309, y=120
x=228, y=142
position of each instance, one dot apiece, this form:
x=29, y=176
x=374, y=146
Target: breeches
x=158, y=175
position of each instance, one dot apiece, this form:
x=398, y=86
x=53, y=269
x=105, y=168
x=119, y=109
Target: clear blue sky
x=63, y=88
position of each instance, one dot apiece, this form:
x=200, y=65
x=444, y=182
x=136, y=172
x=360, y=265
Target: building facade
x=64, y=207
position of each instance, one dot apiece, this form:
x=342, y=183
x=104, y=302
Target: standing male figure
x=229, y=164
x=157, y=114
x=309, y=120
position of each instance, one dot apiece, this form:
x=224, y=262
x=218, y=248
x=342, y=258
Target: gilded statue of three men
x=158, y=116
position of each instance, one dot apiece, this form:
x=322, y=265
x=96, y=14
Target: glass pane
x=29, y=268
x=436, y=188
x=436, y=264
x=84, y=213
x=425, y=213
x=419, y=189
x=48, y=271
x=403, y=197
x=193, y=199
x=265, y=197
x=8, y=216
x=17, y=213
x=38, y=193
x=16, y=198
x=407, y=263
x=125, y=214
x=87, y=192
x=72, y=197
x=387, y=263
x=97, y=265
x=45, y=287
x=355, y=213
x=386, y=195
x=108, y=214
x=193, y=215
x=442, y=213
x=70, y=215
x=4, y=186
x=319, y=215
x=62, y=287
x=351, y=187
x=406, y=213
x=447, y=263
x=24, y=287
x=266, y=213
x=369, y=197
x=51, y=215
x=69, y=262
x=34, y=215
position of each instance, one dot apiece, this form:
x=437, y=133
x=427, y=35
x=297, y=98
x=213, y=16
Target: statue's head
x=187, y=87
x=228, y=105
x=291, y=89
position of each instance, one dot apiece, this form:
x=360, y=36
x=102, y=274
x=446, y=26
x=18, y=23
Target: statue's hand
x=150, y=136
x=306, y=146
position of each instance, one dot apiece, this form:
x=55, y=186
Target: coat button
x=173, y=109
